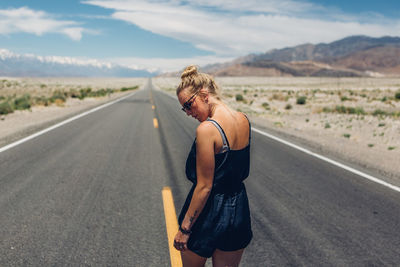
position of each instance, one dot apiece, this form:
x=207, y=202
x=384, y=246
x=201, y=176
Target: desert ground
x=355, y=120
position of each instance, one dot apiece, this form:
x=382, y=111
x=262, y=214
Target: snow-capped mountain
x=29, y=65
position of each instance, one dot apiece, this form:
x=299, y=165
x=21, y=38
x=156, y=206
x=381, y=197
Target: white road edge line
x=23, y=140
x=364, y=175
x=340, y=165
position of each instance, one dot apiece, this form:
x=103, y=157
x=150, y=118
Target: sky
x=167, y=35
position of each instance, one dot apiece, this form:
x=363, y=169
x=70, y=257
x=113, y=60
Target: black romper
x=224, y=222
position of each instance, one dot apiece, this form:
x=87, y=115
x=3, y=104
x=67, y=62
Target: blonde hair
x=195, y=81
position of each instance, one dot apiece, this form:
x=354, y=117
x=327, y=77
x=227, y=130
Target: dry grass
x=23, y=93
x=47, y=86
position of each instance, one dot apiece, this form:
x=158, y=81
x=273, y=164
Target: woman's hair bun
x=189, y=71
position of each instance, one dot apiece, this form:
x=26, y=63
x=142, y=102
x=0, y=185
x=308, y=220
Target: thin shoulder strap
x=225, y=142
x=249, y=125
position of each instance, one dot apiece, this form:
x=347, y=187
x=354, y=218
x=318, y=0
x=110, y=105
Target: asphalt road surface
x=89, y=194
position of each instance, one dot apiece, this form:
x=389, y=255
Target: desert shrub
x=23, y=102
x=344, y=98
x=98, y=93
x=288, y=106
x=84, y=92
x=384, y=99
x=239, y=97
x=350, y=110
x=59, y=102
x=397, y=95
x=301, y=100
x=58, y=96
x=327, y=110
x=327, y=125
x=391, y=147
x=379, y=112
x=41, y=100
x=2, y=97
x=279, y=96
x=255, y=95
x=381, y=124
x=340, y=109
x=357, y=110
x=265, y=105
x=43, y=86
x=104, y=92
x=129, y=88
x=346, y=135
x=74, y=93
x=370, y=145
x=5, y=108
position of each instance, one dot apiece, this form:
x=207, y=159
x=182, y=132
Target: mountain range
x=354, y=56
x=28, y=65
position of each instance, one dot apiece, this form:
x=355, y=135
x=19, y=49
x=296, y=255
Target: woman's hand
x=180, y=241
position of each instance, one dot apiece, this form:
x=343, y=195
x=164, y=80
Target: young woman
x=215, y=219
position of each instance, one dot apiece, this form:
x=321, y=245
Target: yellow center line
x=172, y=226
x=155, y=122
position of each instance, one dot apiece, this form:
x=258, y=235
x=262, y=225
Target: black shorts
x=224, y=223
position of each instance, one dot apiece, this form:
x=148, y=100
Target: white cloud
x=37, y=22
x=259, y=6
x=237, y=27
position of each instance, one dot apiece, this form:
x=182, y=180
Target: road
x=88, y=193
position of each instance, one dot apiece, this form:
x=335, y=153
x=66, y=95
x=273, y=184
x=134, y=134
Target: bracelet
x=185, y=232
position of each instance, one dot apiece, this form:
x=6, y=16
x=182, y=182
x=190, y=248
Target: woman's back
x=236, y=128
x=232, y=162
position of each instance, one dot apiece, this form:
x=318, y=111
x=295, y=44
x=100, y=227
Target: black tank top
x=231, y=166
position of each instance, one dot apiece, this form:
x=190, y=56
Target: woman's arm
x=205, y=163
x=205, y=173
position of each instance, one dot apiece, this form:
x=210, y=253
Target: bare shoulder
x=205, y=130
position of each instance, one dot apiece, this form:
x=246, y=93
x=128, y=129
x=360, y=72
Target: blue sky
x=169, y=34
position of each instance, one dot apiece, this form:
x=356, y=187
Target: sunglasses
x=188, y=104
